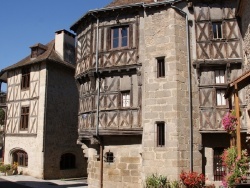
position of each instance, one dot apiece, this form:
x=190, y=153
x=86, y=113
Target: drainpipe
x=45, y=120
x=189, y=86
x=98, y=100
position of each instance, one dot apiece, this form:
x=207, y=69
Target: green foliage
x=5, y=168
x=237, y=166
x=159, y=181
x=2, y=116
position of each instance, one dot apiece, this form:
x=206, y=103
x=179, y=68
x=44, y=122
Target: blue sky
x=27, y=22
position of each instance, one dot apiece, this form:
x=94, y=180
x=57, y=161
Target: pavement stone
x=40, y=183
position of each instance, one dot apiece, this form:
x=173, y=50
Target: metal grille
x=219, y=169
x=160, y=67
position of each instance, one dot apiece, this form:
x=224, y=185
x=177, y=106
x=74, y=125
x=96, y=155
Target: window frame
x=160, y=134
x=25, y=82
x=161, y=67
x=125, y=102
x=220, y=92
x=109, y=157
x=21, y=158
x=217, y=164
x=217, y=29
x=24, y=120
x=120, y=37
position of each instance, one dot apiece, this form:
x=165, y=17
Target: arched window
x=21, y=157
x=68, y=161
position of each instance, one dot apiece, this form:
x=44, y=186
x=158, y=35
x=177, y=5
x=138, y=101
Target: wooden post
x=237, y=111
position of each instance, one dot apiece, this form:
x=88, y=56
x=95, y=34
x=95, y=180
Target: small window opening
x=25, y=84
x=109, y=157
x=219, y=76
x=220, y=99
x=160, y=134
x=217, y=30
x=125, y=98
x=160, y=67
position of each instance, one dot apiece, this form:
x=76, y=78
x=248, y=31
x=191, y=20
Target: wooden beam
x=237, y=111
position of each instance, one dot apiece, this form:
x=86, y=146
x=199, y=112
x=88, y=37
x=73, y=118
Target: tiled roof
x=128, y=2
x=49, y=55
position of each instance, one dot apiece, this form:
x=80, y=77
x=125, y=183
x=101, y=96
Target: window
x=119, y=37
x=126, y=99
x=21, y=157
x=217, y=30
x=109, y=157
x=219, y=76
x=24, y=118
x=25, y=84
x=220, y=99
x=160, y=67
x=160, y=138
x=67, y=161
x=219, y=169
x=220, y=79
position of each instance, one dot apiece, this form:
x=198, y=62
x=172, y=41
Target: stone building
x=41, y=123
x=151, y=77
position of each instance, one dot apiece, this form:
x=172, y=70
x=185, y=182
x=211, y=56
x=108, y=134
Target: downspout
x=98, y=100
x=189, y=86
x=45, y=120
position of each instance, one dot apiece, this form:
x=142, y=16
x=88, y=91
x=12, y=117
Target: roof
x=121, y=4
x=127, y=2
x=241, y=82
x=49, y=55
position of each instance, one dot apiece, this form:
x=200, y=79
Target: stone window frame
x=160, y=134
x=161, y=67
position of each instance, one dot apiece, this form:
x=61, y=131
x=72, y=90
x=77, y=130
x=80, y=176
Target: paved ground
x=8, y=184
x=21, y=181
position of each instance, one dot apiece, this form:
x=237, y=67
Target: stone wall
x=125, y=171
x=61, y=123
x=166, y=99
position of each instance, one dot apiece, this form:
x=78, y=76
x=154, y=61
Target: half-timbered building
x=41, y=120
x=151, y=77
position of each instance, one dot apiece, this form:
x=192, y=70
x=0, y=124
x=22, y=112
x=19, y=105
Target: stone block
x=130, y=159
x=134, y=166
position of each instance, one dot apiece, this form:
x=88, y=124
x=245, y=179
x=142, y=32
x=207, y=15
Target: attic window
x=37, y=50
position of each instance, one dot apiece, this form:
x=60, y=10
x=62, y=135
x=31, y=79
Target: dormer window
x=37, y=50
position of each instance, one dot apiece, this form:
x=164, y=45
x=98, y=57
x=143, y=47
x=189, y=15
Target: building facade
x=151, y=78
x=41, y=121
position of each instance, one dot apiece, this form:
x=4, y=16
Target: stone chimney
x=65, y=45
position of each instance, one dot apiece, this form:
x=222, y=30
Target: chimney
x=65, y=45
